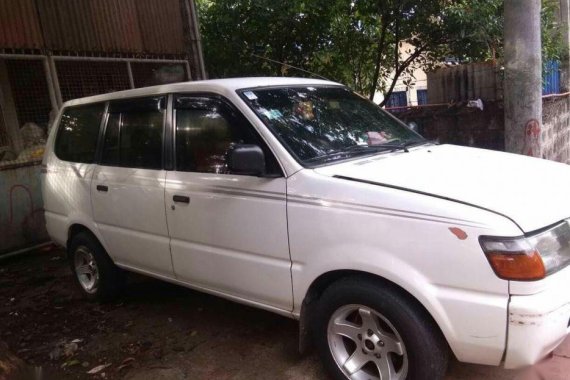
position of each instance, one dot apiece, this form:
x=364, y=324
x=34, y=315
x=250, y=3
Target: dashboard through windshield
x=320, y=124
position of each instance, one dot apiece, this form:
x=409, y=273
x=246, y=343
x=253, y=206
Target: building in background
x=52, y=51
x=404, y=95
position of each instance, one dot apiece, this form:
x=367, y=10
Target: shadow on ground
x=156, y=331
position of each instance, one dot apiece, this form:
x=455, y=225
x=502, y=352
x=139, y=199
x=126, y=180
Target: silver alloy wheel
x=365, y=345
x=86, y=269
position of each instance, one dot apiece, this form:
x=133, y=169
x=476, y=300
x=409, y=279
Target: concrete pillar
x=565, y=60
x=9, y=113
x=523, y=77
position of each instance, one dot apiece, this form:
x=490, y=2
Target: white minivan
x=301, y=197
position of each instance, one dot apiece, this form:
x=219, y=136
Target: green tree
x=359, y=42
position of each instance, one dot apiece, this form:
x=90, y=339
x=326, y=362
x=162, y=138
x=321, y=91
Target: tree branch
x=407, y=62
x=379, y=54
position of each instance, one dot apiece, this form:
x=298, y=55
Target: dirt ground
x=160, y=331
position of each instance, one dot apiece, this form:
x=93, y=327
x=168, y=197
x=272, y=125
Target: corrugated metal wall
x=463, y=82
x=161, y=25
x=19, y=25
x=109, y=26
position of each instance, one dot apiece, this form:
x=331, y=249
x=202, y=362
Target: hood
x=534, y=193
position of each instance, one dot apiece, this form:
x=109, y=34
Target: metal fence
x=85, y=78
x=29, y=90
x=551, y=78
x=33, y=87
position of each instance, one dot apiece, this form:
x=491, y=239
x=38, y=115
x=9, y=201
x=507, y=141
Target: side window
x=134, y=133
x=206, y=129
x=77, y=134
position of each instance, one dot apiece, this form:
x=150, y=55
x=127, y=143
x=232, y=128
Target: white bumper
x=537, y=324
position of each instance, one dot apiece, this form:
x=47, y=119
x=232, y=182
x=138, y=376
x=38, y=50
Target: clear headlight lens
x=529, y=258
x=553, y=246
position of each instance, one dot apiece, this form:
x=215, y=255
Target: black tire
x=111, y=279
x=426, y=349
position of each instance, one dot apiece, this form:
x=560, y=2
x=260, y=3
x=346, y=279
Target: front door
x=228, y=232
x=127, y=189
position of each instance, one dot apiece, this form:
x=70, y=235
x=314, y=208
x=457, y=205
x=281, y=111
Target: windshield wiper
x=351, y=151
x=403, y=146
x=354, y=150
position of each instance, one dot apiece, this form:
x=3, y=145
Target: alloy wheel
x=365, y=345
x=86, y=269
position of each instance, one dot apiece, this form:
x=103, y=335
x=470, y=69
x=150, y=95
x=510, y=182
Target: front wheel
x=369, y=331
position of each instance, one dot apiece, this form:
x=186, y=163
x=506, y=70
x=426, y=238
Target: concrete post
x=523, y=77
x=565, y=60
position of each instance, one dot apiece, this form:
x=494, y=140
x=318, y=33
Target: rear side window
x=78, y=131
x=134, y=133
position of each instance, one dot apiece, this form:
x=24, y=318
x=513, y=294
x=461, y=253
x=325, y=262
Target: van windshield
x=320, y=124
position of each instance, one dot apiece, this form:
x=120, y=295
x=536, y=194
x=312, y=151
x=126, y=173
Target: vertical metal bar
x=53, y=70
x=187, y=65
x=130, y=72
x=198, y=42
x=9, y=112
x=50, y=85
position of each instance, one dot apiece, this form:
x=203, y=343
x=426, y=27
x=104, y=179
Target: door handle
x=181, y=199
x=102, y=188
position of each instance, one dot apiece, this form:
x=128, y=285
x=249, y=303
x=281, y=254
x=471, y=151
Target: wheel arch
x=77, y=228
x=321, y=283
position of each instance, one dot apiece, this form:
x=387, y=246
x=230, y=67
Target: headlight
x=529, y=258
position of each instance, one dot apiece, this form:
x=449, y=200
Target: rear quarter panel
x=65, y=192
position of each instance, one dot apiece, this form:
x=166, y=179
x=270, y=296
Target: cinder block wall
x=556, y=129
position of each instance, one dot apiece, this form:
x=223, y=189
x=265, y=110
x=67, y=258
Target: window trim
x=59, y=129
x=101, y=140
x=228, y=103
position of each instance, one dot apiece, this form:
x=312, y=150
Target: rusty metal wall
x=161, y=25
x=464, y=82
x=105, y=26
x=19, y=25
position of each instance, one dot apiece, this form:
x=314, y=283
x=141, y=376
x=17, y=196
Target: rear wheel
x=367, y=331
x=98, y=277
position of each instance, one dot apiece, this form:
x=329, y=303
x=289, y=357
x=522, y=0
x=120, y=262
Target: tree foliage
x=366, y=44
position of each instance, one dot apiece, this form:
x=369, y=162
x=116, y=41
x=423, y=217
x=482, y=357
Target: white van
x=300, y=197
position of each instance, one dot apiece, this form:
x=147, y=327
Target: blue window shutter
x=397, y=99
x=422, y=97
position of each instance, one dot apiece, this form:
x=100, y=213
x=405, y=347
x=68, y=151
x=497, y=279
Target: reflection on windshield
x=323, y=124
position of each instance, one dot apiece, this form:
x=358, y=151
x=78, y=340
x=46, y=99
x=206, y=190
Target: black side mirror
x=246, y=159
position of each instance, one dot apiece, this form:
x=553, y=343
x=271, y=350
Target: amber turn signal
x=524, y=266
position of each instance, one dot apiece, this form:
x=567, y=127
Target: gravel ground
x=161, y=331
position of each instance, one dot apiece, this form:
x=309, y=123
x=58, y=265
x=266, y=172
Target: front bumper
x=537, y=324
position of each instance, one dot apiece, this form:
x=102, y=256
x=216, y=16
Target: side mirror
x=246, y=159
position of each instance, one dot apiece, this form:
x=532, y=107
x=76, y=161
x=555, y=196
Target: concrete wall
x=462, y=125
x=459, y=124
x=22, y=222
x=464, y=82
x=556, y=129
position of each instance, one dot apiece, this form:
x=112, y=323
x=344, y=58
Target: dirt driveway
x=159, y=331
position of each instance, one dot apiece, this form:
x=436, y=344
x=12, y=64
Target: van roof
x=221, y=86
